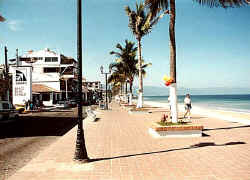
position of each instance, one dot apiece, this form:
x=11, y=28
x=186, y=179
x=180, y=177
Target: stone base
x=127, y=106
x=176, y=131
x=137, y=112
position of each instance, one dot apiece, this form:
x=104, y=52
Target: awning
x=40, y=88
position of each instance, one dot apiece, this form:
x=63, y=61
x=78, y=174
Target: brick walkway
x=122, y=149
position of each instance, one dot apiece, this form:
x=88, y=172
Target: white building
x=53, y=74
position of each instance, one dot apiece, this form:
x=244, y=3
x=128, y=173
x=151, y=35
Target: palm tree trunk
x=140, y=98
x=173, y=87
x=130, y=92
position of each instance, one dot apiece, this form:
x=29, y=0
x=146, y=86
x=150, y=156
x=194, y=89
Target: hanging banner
x=22, y=84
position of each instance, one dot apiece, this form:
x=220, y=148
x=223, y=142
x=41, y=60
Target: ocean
x=235, y=103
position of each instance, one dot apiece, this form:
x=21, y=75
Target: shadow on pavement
x=97, y=119
x=205, y=135
x=199, y=145
x=224, y=128
x=31, y=126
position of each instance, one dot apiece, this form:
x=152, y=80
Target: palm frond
x=113, y=66
x=124, y=65
x=116, y=77
x=117, y=54
x=146, y=24
x=156, y=20
x=143, y=73
x=118, y=60
x=156, y=5
x=146, y=65
x=127, y=10
x=132, y=22
x=141, y=22
x=119, y=46
x=222, y=3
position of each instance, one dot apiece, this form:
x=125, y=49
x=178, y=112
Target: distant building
x=94, y=91
x=92, y=85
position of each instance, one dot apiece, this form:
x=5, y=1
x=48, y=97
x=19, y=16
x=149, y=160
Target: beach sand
x=197, y=111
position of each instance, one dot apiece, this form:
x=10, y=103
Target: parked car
x=20, y=108
x=7, y=112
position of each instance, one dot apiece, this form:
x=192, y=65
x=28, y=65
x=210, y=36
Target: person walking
x=188, y=106
x=26, y=105
x=31, y=105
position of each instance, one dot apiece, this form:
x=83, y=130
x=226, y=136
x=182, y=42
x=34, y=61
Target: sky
x=213, y=44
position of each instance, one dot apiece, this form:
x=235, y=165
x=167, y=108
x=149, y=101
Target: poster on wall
x=22, y=84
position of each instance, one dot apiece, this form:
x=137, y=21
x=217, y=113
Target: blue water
x=238, y=103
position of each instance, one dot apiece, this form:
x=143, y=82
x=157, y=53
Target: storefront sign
x=22, y=84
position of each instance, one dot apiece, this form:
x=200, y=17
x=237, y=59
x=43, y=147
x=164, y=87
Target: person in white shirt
x=188, y=106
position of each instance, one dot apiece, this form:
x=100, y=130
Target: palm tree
x=115, y=89
x=141, y=23
x=117, y=78
x=126, y=57
x=123, y=72
x=126, y=66
x=154, y=6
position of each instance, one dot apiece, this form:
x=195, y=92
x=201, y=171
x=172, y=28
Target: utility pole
x=7, y=73
x=17, y=59
x=6, y=61
x=106, y=78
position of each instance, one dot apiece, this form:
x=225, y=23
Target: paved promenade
x=120, y=148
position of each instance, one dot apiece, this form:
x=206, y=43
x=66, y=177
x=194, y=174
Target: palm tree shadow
x=204, y=134
x=97, y=119
x=199, y=145
x=224, y=128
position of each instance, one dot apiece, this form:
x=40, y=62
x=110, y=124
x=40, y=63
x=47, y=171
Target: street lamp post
x=7, y=72
x=106, y=78
x=80, y=151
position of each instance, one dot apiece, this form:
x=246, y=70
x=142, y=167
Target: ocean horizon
x=233, y=102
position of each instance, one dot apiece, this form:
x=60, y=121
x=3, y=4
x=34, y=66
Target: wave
x=235, y=103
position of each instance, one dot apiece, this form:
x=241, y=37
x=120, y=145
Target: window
x=51, y=59
x=46, y=97
x=51, y=70
x=67, y=71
